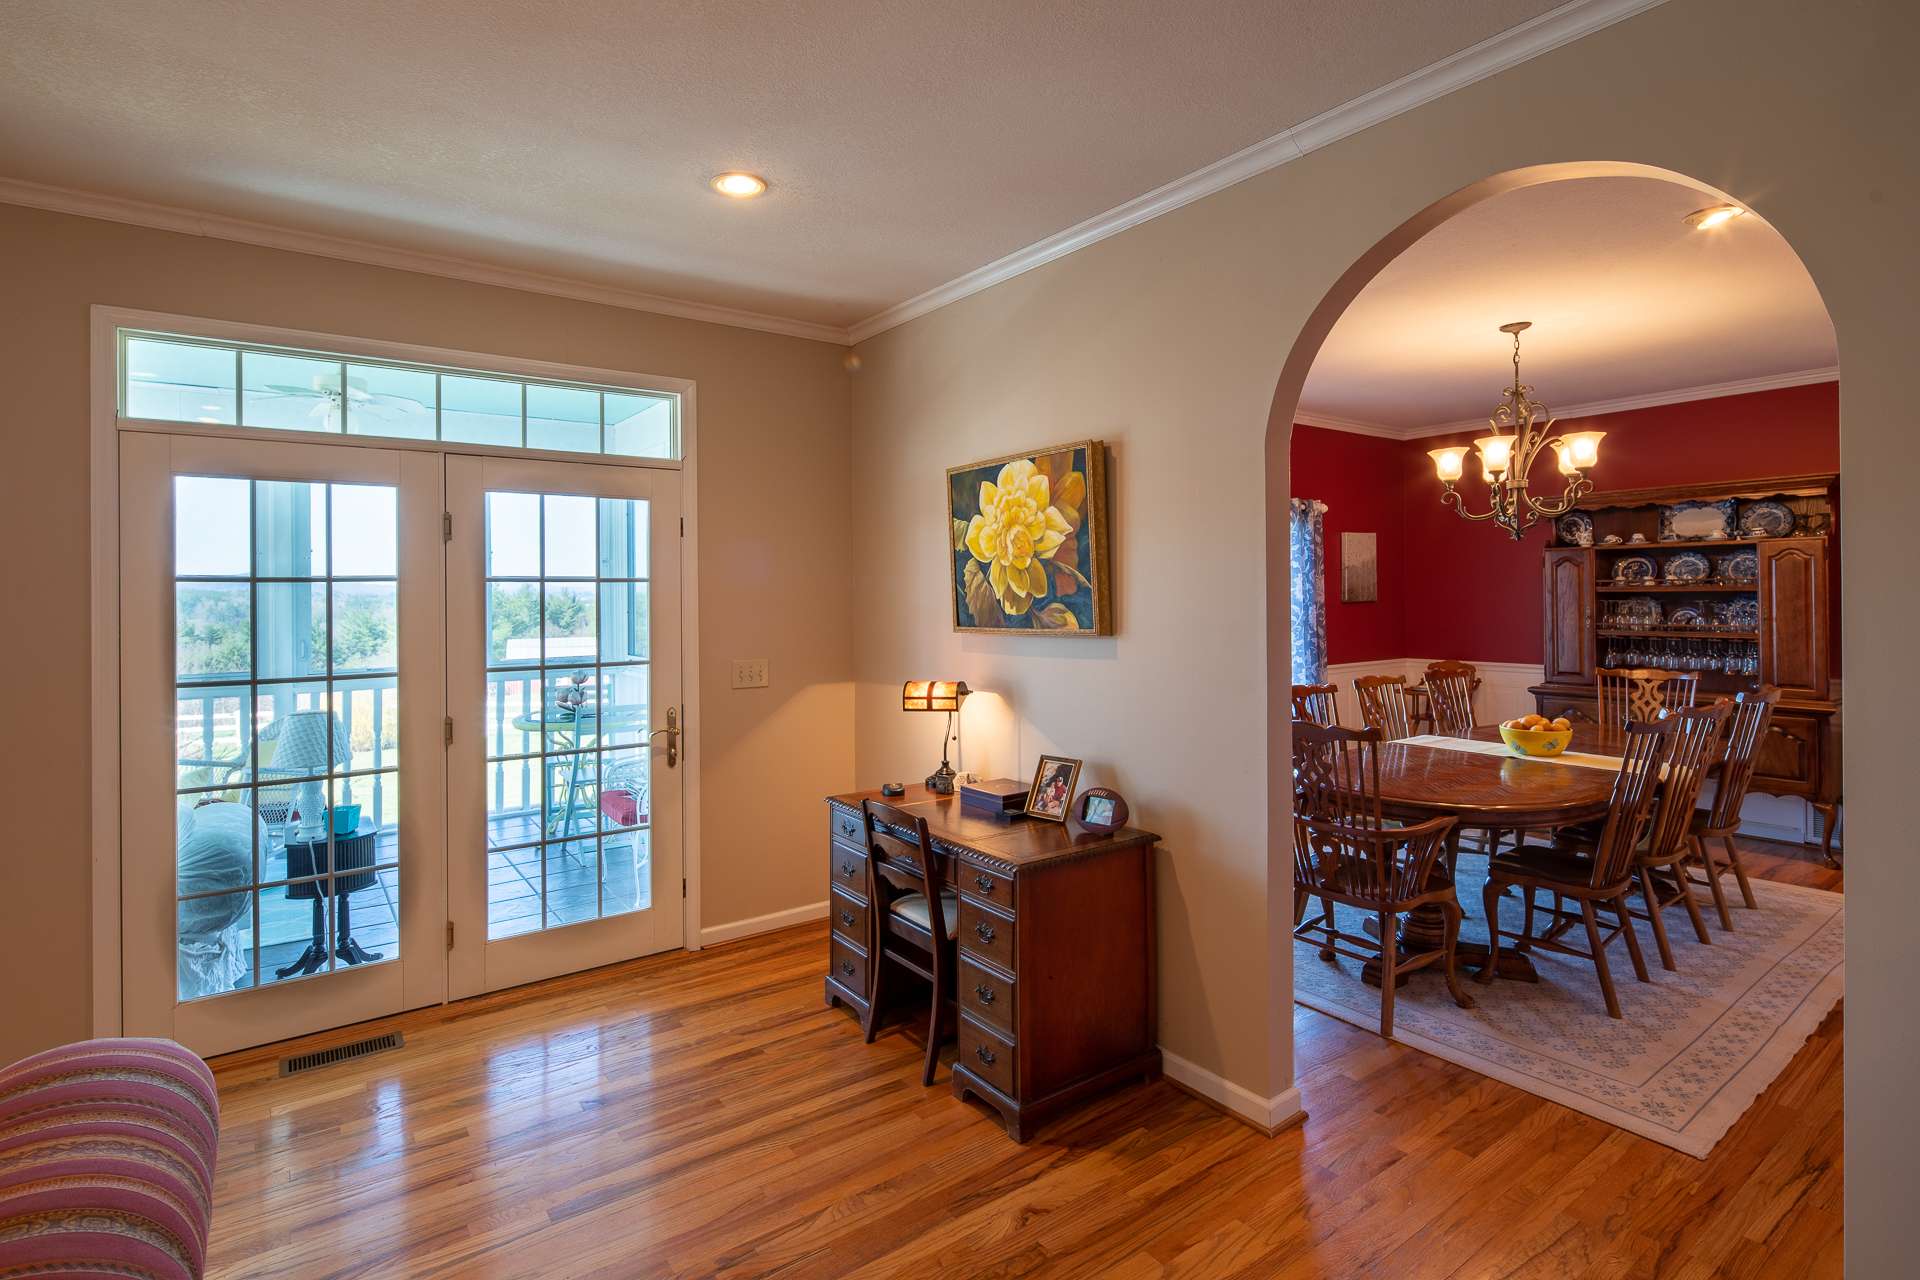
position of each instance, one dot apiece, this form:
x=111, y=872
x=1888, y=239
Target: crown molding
x=1509, y=48
x=161, y=217
x=1352, y=426
x=1654, y=399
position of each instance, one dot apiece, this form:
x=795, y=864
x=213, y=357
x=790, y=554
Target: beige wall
x=1168, y=341
x=774, y=520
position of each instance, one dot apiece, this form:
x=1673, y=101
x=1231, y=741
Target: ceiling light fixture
x=738, y=184
x=1714, y=216
x=1506, y=460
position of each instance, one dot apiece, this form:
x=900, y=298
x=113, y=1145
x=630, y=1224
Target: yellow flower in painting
x=1018, y=531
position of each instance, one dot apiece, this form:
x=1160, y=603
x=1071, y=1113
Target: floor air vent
x=339, y=1053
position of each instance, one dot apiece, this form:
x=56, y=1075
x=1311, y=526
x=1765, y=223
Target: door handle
x=673, y=736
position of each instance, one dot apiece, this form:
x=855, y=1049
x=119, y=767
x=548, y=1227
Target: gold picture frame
x=1054, y=782
x=1017, y=565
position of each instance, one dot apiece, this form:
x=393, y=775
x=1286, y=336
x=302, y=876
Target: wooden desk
x=1056, y=973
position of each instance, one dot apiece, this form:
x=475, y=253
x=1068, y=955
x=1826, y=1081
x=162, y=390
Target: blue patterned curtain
x=1307, y=562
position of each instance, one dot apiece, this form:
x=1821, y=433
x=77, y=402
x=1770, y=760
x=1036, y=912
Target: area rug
x=1692, y=1052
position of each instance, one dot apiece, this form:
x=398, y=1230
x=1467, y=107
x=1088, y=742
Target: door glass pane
x=566, y=744
x=278, y=877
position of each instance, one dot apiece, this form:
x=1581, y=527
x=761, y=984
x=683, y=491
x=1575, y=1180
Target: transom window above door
x=167, y=377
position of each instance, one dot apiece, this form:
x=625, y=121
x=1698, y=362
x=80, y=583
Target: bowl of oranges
x=1534, y=735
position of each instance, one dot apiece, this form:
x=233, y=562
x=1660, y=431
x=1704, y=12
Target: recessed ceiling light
x=739, y=185
x=1713, y=216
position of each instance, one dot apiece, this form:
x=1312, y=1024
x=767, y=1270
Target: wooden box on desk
x=1056, y=950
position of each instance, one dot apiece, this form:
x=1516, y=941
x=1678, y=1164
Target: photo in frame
x=1102, y=809
x=1028, y=546
x=1051, y=796
x=1359, y=568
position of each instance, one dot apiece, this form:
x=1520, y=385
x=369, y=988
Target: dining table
x=1481, y=784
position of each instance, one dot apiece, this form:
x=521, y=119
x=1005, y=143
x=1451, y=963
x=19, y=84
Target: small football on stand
x=1101, y=809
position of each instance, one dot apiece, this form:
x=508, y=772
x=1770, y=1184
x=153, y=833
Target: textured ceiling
x=907, y=143
x=1626, y=300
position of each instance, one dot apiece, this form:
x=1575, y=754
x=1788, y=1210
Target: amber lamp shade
x=933, y=695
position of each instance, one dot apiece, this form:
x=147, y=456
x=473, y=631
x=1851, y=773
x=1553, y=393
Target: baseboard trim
x=1269, y=1115
x=718, y=933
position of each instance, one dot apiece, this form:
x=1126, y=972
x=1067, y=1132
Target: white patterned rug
x=1694, y=1049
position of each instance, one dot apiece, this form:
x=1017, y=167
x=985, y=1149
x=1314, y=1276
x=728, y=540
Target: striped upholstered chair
x=106, y=1161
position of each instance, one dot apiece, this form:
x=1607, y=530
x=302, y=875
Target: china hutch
x=1731, y=581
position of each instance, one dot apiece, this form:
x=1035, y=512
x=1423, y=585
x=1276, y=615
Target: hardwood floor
x=707, y=1115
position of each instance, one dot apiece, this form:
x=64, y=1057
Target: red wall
x=1464, y=590
x=1359, y=478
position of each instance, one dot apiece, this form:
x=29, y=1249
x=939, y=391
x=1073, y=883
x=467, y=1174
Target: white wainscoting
x=1503, y=695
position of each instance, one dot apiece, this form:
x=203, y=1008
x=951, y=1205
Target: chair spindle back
x=1342, y=847
x=1641, y=693
x=1697, y=735
x=1748, y=730
x=1644, y=750
x=1315, y=703
x=1450, y=693
x=1384, y=706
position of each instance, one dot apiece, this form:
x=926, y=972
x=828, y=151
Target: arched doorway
x=1395, y=250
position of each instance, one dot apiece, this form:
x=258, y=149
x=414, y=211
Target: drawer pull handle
x=847, y=828
x=983, y=883
x=846, y=869
x=985, y=1054
x=846, y=918
x=984, y=930
x=985, y=993
x=846, y=967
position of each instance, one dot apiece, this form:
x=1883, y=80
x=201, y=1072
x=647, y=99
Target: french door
x=564, y=766
x=396, y=726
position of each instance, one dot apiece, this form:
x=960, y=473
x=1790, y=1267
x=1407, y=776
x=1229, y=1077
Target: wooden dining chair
x=1752, y=713
x=1599, y=875
x=1315, y=703
x=1384, y=705
x=1640, y=693
x=1344, y=853
x=1450, y=695
x=1657, y=864
x=902, y=879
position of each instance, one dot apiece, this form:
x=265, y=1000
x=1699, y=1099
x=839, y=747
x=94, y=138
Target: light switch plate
x=749, y=673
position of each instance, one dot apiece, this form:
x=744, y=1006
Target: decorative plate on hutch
x=1741, y=566
x=1688, y=566
x=1766, y=518
x=1634, y=569
x=1693, y=521
x=1686, y=616
x=1576, y=529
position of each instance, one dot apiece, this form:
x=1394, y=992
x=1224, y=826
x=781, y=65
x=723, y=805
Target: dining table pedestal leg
x=1425, y=929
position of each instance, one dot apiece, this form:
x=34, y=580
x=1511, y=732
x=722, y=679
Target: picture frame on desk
x=1051, y=796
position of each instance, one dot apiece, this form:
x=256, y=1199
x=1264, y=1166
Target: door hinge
x=449, y=935
x=446, y=526
x=449, y=730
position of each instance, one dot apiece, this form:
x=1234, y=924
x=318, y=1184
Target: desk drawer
x=847, y=964
x=850, y=827
x=976, y=881
x=987, y=996
x=847, y=870
x=986, y=934
x=847, y=916
x=987, y=1056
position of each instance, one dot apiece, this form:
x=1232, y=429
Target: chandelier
x=1506, y=460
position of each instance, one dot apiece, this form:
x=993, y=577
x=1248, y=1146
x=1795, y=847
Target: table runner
x=1475, y=746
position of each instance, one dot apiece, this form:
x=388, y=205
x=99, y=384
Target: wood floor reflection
x=707, y=1115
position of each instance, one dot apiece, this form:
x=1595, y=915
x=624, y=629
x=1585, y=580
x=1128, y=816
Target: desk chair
x=902, y=879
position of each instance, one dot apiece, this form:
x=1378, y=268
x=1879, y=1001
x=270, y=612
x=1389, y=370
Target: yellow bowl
x=1536, y=742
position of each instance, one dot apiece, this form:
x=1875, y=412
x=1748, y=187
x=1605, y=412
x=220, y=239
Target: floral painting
x=1029, y=542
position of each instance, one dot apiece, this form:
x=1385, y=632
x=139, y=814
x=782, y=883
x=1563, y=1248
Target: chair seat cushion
x=913, y=907
x=1566, y=864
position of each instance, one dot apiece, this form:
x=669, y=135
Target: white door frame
x=105, y=692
